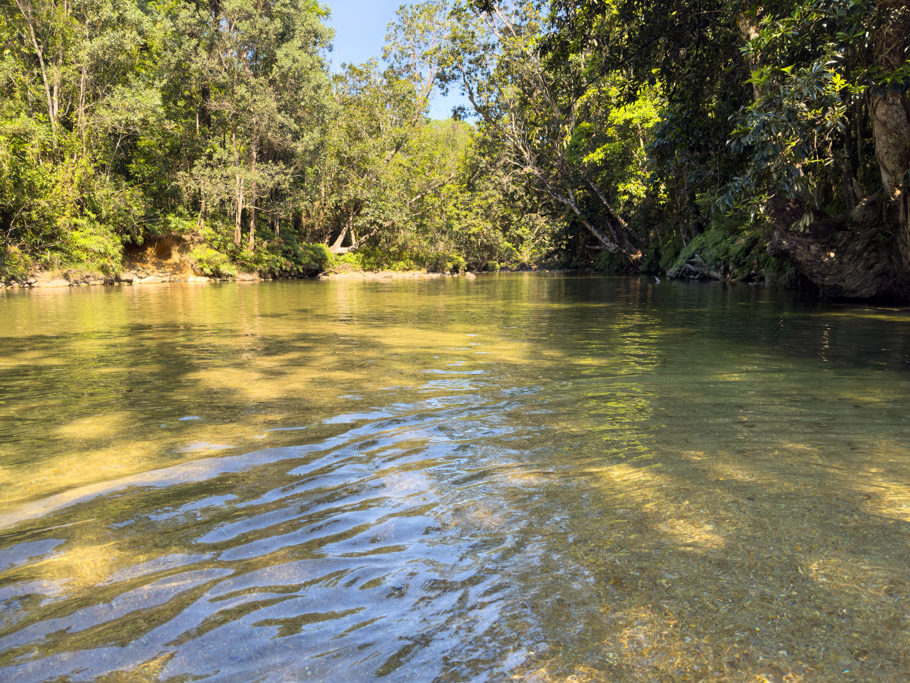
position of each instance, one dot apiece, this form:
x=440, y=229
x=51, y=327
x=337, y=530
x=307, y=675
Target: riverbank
x=347, y=273
x=70, y=278
x=170, y=260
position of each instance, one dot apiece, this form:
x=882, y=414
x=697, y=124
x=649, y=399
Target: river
x=529, y=476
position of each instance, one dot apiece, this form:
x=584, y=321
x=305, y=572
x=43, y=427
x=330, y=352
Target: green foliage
x=313, y=258
x=608, y=262
x=668, y=253
x=125, y=120
x=797, y=103
x=446, y=263
x=14, y=265
x=601, y=128
x=352, y=261
x=212, y=263
x=372, y=258
x=779, y=273
x=285, y=258
x=224, y=128
x=792, y=133
x=552, y=114
x=175, y=224
x=91, y=246
x=728, y=247
x=292, y=258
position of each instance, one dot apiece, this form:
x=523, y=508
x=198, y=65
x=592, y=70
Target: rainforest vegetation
x=726, y=139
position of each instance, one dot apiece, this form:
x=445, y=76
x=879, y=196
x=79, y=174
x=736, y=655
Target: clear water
x=527, y=476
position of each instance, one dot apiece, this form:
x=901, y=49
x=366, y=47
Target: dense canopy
x=756, y=141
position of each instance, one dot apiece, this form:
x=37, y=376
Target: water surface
x=523, y=476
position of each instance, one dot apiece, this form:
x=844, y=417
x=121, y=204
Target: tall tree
x=260, y=95
x=534, y=101
x=68, y=68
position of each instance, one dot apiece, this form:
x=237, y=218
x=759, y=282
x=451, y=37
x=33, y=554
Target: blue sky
x=360, y=27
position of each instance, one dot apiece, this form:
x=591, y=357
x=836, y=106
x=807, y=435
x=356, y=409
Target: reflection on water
x=527, y=476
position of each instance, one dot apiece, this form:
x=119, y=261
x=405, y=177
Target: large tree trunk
x=891, y=127
x=336, y=247
x=890, y=113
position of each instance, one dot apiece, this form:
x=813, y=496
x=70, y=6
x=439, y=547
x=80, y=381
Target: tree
x=259, y=91
x=777, y=111
x=827, y=140
x=66, y=67
x=534, y=102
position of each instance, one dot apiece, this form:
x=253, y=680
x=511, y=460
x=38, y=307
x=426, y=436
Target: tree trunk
x=83, y=85
x=252, y=239
x=891, y=130
x=200, y=224
x=889, y=110
x=26, y=10
x=336, y=245
x=238, y=217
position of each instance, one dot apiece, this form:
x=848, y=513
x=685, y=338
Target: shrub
x=91, y=246
x=313, y=258
x=14, y=265
x=350, y=261
x=372, y=258
x=179, y=224
x=212, y=263
x=446, y=263
x=608, y=262
x=287, y=258
x=727, y=247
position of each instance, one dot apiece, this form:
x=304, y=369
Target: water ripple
x=322, y=553
x=593, y=485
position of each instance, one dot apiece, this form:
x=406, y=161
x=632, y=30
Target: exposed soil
x=157, y=261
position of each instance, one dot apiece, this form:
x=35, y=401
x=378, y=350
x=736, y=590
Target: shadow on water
x=524, y=476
